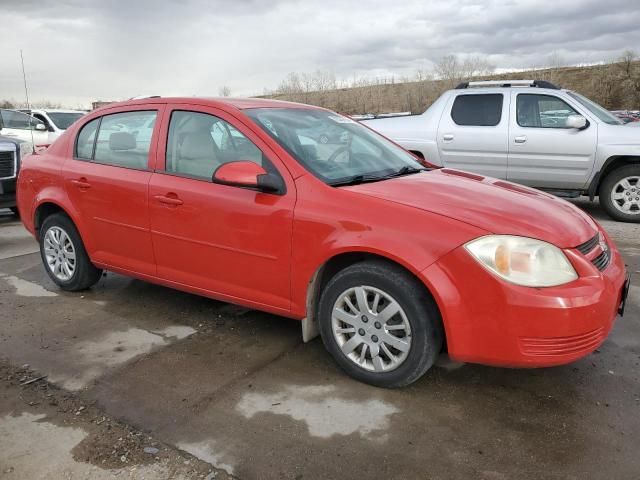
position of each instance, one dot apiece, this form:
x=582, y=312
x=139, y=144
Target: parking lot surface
x=214, y=390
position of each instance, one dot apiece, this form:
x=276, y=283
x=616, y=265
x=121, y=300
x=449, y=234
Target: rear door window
x=479, y=110
x=123, y=139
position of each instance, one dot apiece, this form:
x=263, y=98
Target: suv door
x=472, y=134
x=543, y=152
x=106, y=178
x=230, y=241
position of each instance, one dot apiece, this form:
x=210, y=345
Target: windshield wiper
x=357, y=179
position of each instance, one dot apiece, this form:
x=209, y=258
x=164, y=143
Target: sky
x=77, y=51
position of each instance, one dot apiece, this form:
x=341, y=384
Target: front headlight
x=523, y=261
x=26, y=148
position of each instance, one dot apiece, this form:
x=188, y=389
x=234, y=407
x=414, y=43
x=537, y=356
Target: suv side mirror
x=247, y=174
x=576, y=121
x=41, y=127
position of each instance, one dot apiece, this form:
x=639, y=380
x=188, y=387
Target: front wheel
x=380, y=324
x=620, y=194
x=64, y=256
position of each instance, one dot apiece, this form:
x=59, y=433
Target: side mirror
x=247, y=174
x=41, y=127
x=576, y=121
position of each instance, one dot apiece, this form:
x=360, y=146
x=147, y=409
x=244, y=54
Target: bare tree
x=224, y=91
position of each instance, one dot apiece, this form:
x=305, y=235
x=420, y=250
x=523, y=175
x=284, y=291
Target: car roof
x=238, y=103
x=56, y=110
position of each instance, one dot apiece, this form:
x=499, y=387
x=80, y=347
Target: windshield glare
x=596, y=109
x=332, y=147
x=64, y=120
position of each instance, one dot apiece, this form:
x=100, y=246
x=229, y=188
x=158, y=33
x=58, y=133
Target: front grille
x=7, y=164
x=589, y=245
x=541, y=346
x=602, y=260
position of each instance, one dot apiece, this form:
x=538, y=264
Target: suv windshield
x=334, y=148
x=596, y=109
x=64, y=120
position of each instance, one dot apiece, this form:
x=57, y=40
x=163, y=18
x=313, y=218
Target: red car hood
x=493, y=205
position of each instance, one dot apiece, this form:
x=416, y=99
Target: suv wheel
x=15, y=212
x=620, y=194
x=64, y=256
x=380, y=324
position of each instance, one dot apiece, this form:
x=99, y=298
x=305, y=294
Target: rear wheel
x=64, y=256
x=380, y=324
x=620, y=194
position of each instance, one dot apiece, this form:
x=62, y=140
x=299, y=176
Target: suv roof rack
x=508, y=83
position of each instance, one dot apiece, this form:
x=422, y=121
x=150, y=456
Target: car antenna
x=26, y=93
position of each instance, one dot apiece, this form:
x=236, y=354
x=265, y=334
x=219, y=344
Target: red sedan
x=389, y=261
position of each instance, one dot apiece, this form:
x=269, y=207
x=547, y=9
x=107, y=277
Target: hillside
x=613, y=85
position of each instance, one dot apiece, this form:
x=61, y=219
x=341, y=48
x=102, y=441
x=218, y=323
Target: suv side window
x=198, y=143
x=542, y=111
x=18, y=120
x=479, y=110
x=118, y=140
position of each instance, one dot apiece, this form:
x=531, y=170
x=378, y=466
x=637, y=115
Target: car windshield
x=596, y=109
x=64, y=120
x=333, y=147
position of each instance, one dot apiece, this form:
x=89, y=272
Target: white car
x=56, y=121
x=20, y=126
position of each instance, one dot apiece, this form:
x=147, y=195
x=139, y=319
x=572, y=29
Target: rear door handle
x=81, y=183
x=173, y=201
x=521, y=139
x=447, y=137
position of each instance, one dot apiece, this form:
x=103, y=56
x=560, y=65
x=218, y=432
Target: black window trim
x=474, y=95
x=552, y=96
x=210, y=180
x=95, y=141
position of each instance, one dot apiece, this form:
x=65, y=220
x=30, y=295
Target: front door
x=107, y=181
x=472, y=134
x=229, y=241
x=543, y=152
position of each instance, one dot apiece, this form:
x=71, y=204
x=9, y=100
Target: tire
x=417, y=309
x=612, y=185
x=15, y=212
x=84, y=273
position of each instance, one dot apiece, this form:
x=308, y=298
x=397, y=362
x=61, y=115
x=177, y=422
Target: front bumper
x=490, y=321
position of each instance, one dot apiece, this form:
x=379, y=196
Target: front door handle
x=521, y=139
x=81, y=183
x=169, y=199
x=447, y=137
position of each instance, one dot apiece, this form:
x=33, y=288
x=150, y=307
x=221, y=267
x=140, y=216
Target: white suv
x=528, y=132
x=56, y=121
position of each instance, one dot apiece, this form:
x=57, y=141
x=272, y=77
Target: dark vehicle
x=11, y=152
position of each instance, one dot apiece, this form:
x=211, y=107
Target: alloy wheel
x=625, y=195
x=60, y=253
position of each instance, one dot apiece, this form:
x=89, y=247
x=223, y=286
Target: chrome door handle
x=172, y=201
x=447, y=137
x=521, y=139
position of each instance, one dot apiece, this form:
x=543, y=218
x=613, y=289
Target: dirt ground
x=133, y=380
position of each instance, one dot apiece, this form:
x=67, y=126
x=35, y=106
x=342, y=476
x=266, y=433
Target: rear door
x=107, y=180
x=543, y=152
x=226, y=240
x=472, y=134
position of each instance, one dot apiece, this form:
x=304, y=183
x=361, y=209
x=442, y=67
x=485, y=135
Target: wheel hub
x=371, y=328
x=625, y=195
x=60, y=253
